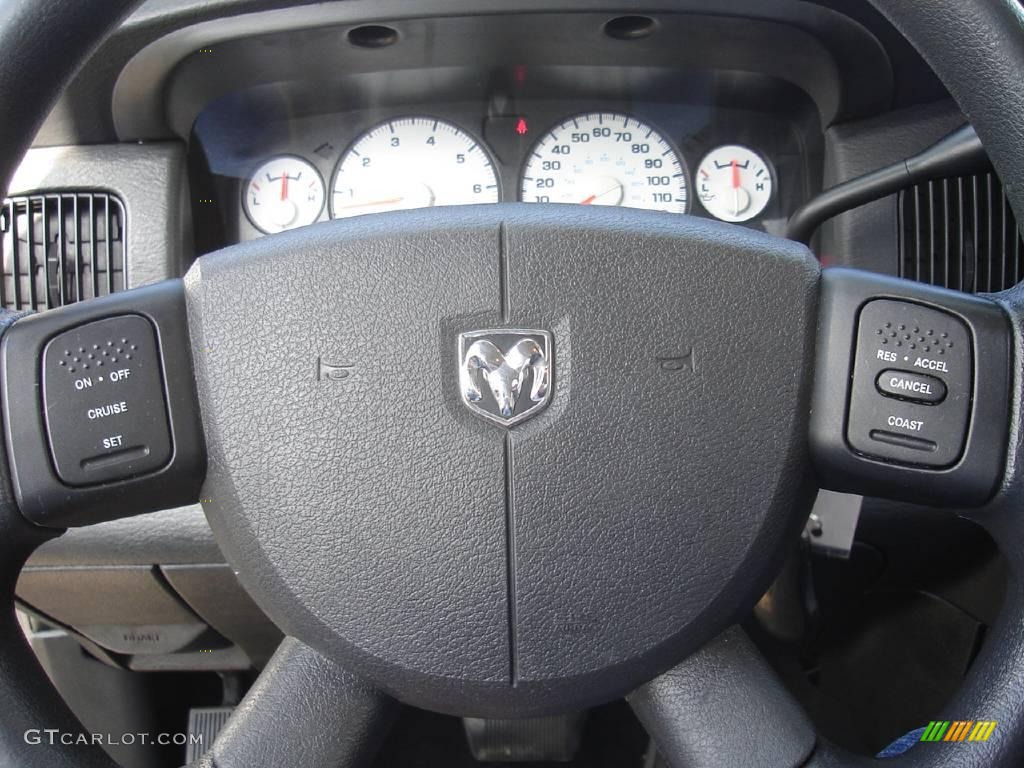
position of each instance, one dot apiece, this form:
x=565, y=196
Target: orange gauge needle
x=735, y=175
x=389, y=201
x=284, y=186
x=594, y=197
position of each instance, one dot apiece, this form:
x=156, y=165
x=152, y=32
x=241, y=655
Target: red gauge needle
x=284, y=186
x=389, y=201
x=592, y=198
x=735, y=175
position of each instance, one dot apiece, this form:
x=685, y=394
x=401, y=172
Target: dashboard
x=216, y=122
x=232, y=120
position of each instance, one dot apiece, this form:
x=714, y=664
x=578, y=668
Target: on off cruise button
x=916, y=387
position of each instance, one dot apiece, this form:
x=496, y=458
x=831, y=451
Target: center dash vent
x=61, y=247
x=960, y=233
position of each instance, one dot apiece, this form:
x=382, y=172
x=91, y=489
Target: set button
x=915, y=387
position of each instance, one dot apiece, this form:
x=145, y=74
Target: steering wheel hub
x=501, y=565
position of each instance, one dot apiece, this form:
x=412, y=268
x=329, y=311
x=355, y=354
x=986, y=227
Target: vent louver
x=61, y=247
x=960, y=233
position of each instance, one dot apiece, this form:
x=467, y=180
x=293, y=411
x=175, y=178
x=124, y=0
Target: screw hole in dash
x=630, y=27
x=373, y=36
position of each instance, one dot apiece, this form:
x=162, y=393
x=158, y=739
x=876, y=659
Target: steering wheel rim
x=977, y=49
x=982, y=77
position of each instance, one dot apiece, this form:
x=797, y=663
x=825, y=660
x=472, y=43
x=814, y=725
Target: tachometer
x=283, y=193
x=412, y=162
x=606, y=158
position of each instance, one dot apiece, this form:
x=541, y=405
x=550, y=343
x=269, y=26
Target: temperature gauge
x=285, y=192
x=734, y=183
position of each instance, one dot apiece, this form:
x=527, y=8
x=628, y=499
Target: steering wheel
x=513, y=460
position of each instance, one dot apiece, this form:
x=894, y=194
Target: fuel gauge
x=285, y=192
x=734, y=183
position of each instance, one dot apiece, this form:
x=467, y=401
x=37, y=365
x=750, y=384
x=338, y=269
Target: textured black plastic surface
x=995, y=683
x=149, y=178
x=42, y=496
x=304, y=710
x=671, y=335
x=825, y=53
x=213, y=592
x=866, y=237
x=1004, y=691
x=847, y=407
x=29, y=698
x=365, y=514
x=31, y=78
x=960, y=152
x=724, y=706
x=179, y=535
x=495, y=573
x=26, y=27
x=977, y=49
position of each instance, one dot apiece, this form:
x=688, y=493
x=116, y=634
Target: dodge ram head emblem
x=505, y=375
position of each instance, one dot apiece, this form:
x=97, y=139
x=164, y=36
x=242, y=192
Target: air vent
x=61, y=247
x=960, y=233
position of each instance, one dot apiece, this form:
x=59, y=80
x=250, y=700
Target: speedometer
x=412, y=162
x=606, y=158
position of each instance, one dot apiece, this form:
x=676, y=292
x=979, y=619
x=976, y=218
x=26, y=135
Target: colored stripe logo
x=958, y=730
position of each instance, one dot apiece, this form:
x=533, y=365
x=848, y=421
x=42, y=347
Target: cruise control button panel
x=911, y=392
x=101, y=417
x=104, y=401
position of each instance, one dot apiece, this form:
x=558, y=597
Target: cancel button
x=911, y=386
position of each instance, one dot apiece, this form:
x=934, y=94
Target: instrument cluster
x=735, y=164
x=594, y=158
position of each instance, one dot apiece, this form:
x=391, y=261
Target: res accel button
x=911, y=386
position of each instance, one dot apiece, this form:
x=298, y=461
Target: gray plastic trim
x=138, y=95
x=151, y=181
x=179, y=536
x=866, y=237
